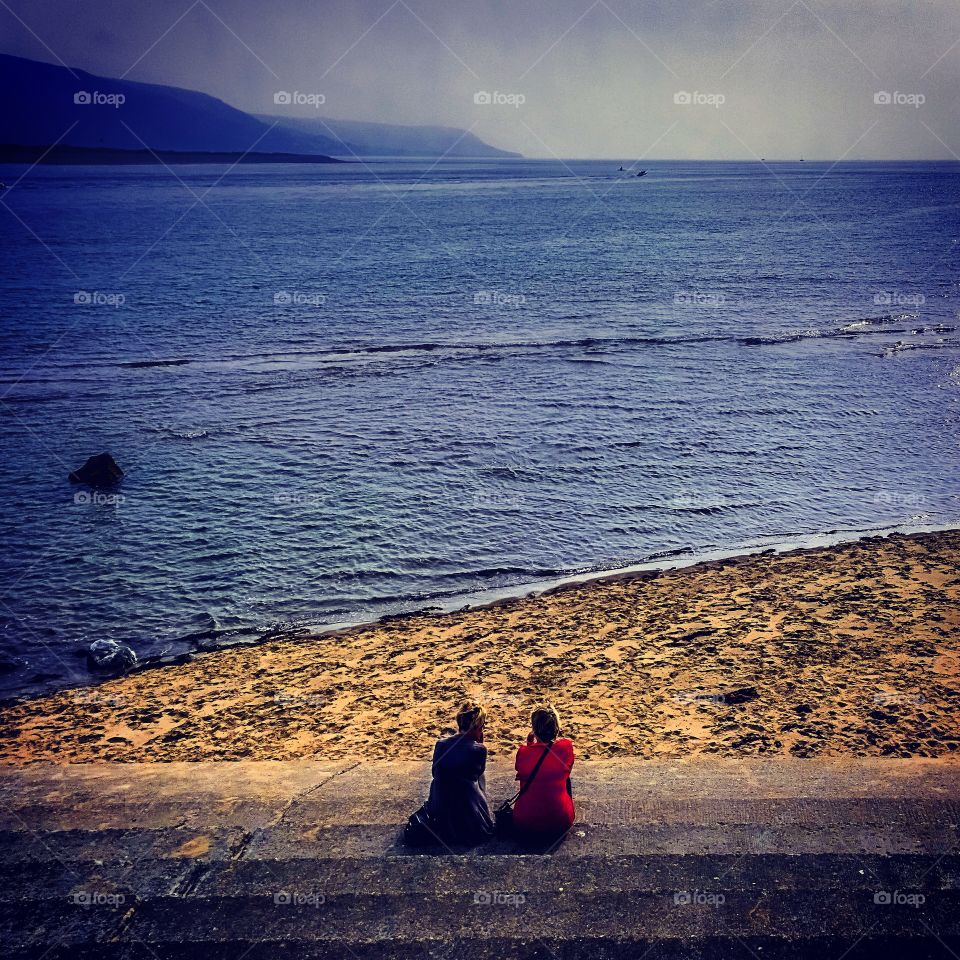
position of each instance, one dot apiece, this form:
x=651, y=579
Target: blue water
x=474, y=375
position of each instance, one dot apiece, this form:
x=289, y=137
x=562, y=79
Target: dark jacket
x=458, y=802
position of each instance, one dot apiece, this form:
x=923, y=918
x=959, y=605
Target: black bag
x=419, y=831
x=504, y=814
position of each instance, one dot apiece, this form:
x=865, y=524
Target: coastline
x=186, y=647
x=849, y=649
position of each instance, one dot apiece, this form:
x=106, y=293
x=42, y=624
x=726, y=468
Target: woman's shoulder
x=563, y=746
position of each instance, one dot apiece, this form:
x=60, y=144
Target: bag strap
x=523, y=789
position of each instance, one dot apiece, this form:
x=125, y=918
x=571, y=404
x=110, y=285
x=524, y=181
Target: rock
x=740, y=695
x=99, y=471
x=108, y=656
x=10, y=663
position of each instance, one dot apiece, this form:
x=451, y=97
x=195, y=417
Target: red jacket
x=546, y=806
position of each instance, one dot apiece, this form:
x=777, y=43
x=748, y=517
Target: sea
x=345, y=391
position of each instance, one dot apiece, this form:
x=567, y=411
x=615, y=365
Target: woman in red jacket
x=545, y=808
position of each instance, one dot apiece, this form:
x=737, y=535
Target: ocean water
x=345, y=391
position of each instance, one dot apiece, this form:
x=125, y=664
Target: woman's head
x=471, y=717
x=546, y=723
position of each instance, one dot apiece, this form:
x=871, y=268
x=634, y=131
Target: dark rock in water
x=10, y=663
x=108, y=656
x=99, y=471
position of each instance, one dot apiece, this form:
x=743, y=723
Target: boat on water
x=642, y=173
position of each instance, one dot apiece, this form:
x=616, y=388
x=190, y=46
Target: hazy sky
x=778, y=79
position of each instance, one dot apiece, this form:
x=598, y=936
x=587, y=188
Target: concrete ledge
x=303, y=860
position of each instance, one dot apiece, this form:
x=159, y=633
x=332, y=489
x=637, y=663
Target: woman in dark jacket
x=457, y=811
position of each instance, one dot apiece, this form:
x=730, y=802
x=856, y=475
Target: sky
x=723, y=79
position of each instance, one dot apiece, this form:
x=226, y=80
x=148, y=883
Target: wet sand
x=848, y=650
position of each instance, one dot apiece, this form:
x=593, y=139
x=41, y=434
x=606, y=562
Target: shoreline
x=852, y=648
x=659, y=562
x=305, y=630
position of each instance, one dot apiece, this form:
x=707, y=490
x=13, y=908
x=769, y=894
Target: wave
x=171, y=433
x=140, y=364
x=346, y=354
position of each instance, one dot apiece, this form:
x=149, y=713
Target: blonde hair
x=471, y=716
x=545, y=722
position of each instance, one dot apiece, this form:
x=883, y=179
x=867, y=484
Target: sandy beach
x=848, y=650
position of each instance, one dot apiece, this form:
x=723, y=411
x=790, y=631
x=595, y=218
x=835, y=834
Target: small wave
x=143, y=364
x=337, y=359
x=171, y=433
x=901, y=346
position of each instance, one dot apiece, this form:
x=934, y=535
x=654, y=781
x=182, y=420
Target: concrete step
x=437, y=875
x=292, y=841
x=305, y=916
x=711, y=859
x=496, y=948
